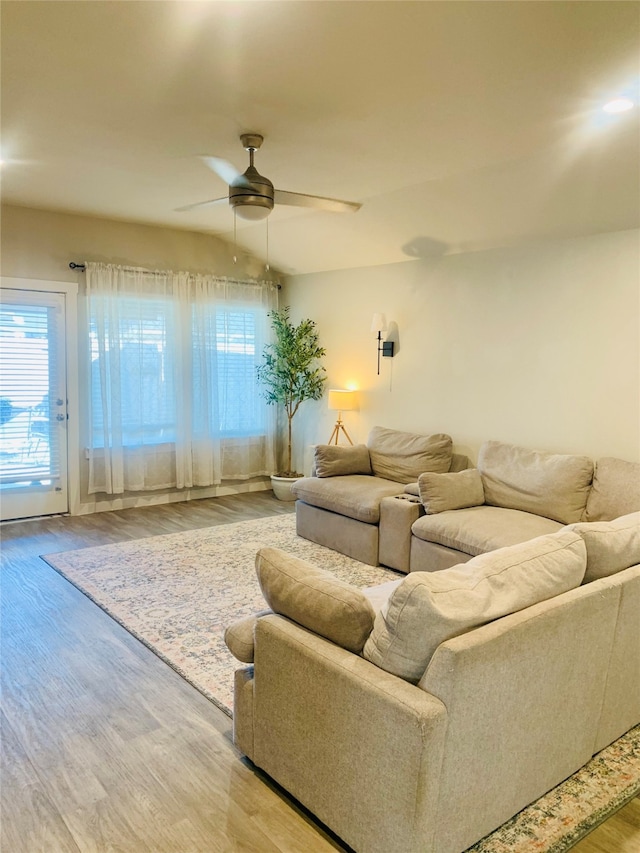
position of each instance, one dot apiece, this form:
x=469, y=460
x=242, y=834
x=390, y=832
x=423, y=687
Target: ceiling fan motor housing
x=251, y=195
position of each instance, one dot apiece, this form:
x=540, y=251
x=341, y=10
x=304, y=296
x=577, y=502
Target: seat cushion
x=479, y=529
x=551, y=484
x=428, y=608
x=354, y=495
x=615, y=490
x=403, y=456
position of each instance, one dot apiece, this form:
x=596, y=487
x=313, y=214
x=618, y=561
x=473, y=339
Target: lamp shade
x=379, y=323
x=343, y=401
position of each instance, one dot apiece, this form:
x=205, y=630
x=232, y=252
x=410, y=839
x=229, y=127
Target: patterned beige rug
x=177, y=593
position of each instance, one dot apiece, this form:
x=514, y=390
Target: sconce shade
x=342, y=401
x=379, y=323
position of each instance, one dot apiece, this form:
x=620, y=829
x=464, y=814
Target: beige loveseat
x=418, y=716
x=448, y=515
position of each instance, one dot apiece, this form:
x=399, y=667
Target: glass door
x=33, y=404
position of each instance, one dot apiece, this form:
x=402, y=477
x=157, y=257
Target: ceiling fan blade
x=202, y=203
x=223, y=169
x=316, y=201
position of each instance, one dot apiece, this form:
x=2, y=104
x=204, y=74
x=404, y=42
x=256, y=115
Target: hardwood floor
x=106, y=748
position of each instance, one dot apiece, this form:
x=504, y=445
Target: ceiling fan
x=253, y=196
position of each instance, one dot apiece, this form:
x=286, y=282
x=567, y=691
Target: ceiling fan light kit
x=252, y=196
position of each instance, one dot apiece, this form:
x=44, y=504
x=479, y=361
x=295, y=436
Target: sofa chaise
x=419, y=715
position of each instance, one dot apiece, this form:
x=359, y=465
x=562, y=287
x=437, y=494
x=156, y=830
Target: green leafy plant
x=290, y=370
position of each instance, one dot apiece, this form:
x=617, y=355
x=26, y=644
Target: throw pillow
x=428, y=608
x=333, y=460
x=403, y=456
x=553, y=485
x=615, y=490
x=441, y=492
x=611, y=545
x=314, y=598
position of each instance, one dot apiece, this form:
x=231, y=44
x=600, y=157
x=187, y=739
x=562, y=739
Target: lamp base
x=338, y=428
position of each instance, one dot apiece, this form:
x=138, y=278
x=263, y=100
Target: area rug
x=178, y=592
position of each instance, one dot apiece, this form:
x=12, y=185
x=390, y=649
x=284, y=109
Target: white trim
x=70, y=291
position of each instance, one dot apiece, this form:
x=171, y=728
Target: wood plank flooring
x=106, y=748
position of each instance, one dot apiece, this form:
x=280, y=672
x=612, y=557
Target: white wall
x=39, y=244
x=536, y=345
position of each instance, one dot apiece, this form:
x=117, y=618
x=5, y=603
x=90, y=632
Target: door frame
x=70, y=291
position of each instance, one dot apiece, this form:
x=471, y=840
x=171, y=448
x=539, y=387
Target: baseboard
x=131, y=501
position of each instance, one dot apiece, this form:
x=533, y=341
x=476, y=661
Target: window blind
x=29, y=440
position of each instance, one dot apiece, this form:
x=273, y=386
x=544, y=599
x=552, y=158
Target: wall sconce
x=341, y=401
x=379, y=325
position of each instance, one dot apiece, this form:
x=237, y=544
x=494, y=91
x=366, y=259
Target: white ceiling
x=458, y=125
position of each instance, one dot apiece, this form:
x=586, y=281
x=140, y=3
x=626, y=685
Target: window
x=173, y=371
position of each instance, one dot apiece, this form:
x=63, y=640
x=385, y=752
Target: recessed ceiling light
x=618, y=105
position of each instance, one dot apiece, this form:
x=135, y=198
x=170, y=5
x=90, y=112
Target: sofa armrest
x=397, y=514
x=343, y=736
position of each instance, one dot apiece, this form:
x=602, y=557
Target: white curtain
x=174, y=401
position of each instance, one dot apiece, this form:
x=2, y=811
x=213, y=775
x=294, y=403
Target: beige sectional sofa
x=418, y=716
x=415, y=518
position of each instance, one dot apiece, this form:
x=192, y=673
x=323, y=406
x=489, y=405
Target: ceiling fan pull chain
x=267, y=267
x=235, y=240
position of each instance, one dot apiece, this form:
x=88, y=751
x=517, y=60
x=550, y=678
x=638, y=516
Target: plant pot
x=282, y=487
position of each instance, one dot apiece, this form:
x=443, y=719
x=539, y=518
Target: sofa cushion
x=314, y=598
x=334, y=460
x=615, y=490
x=551, y=484
x=428, y=608
x=403, y=456
x=354, y=495
x=611, y=545
x=442, y=492
x=239, y=636
x=477, y=530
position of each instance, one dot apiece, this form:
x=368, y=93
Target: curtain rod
x=81, y=267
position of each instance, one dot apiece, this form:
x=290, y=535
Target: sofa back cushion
x=611, y=545
x=428, y=608
x=314, y=598
x=403, y=456
x=550, y=484
x=337, y=460
x=442, y=492
x=615, y=490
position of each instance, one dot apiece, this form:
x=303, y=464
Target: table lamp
x=341, y=401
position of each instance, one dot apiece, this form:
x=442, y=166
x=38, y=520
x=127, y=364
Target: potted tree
x=291, y=374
